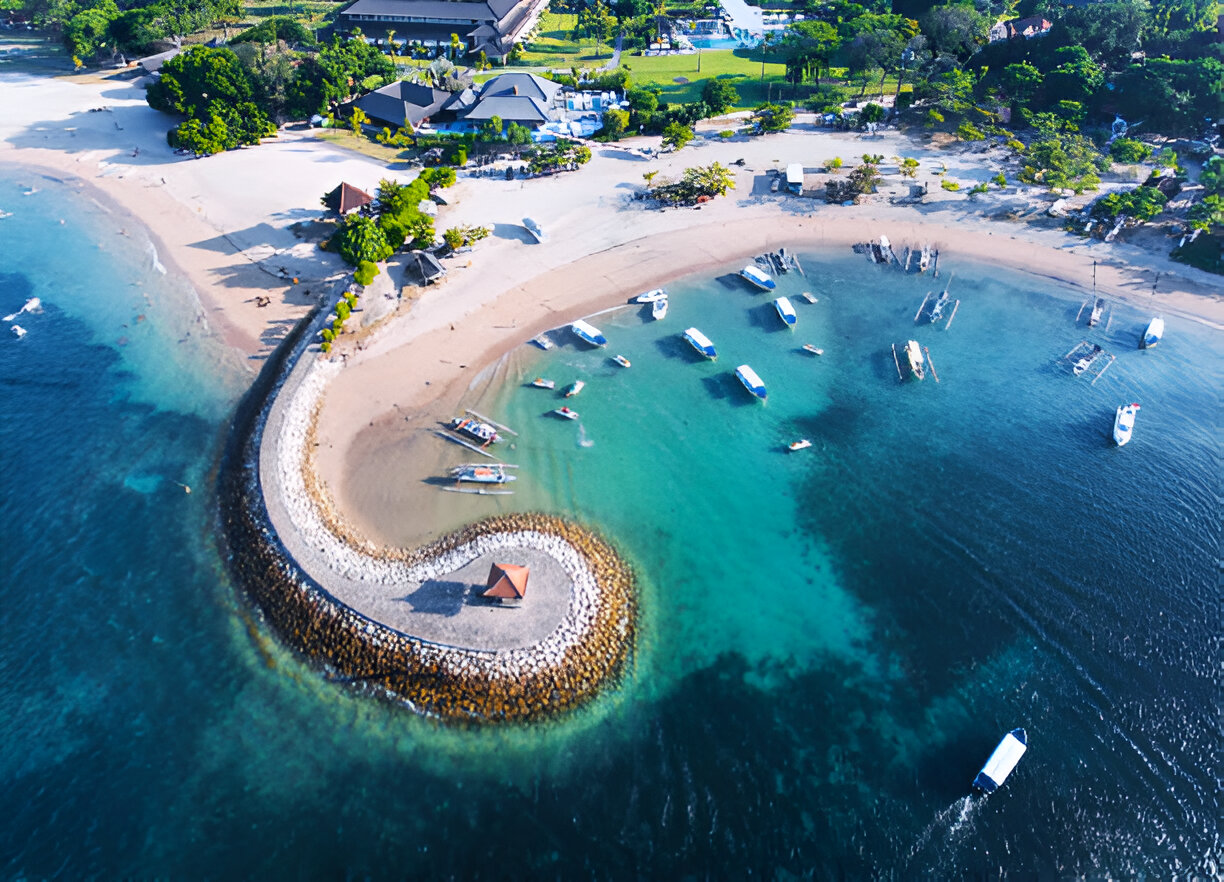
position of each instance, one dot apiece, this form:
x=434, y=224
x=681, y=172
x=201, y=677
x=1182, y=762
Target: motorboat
x=786, y=312
x=809, y=297
x=1124, y=423
x=535, y=229
x=588, y=333
x=543, y=342
x=808, y=347
x=32, y=305
x=1155, y=330
x=474, y=429
x=701, y=343
x=18, y=331
x=622, y=361
x=913, y=353
x=801, y=444
x=651, y=296
x=758, y=277
x=541, y=383
x=1098, y=308
x=565, y=413
x=751, y=381
x=482, y=474
x=574, y=388
x=1085, y=361
x=658, y=308
x=1002, y=761
x=924, y=259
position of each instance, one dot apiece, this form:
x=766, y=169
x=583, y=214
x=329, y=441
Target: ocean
x=832, y=640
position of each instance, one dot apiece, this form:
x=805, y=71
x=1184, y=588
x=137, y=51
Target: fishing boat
x=786, y=312
x=808, y=347
x=1098, y=308
x=937, y=307
x=924, y=259
x=807, y=295
x=588, y=333
x=1155, y=330
x=701, y=343
x=886, y=252
x=751, y=381
x=801, y=444
x=574, y=388
x=1085, y=361
x=658, y=309
x=622, y=361
x=474, y=429
x=482, y=474
x=758, y=277
x=543, y=342
x=18, y=331
x=541, y=383
x=535, y=229
x=1124, y=423
x=565, y=413
x=1001, y=762
x=651, y=296
x=913, y=354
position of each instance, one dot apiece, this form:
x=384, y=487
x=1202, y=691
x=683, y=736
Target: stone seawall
x=587, y=651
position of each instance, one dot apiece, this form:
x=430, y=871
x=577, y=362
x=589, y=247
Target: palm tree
x=391, y=42
x=454, y=46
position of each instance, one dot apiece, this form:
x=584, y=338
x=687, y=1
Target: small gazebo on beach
x=507, y=582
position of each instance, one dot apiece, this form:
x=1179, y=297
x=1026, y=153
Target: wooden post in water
x=908, y=254
x=920, y=308
x=1112, y=358
x=900, y=376
x=1081, y=312
x=935, y=265
x=930, y=363
x=955, y=307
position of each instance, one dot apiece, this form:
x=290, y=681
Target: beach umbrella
x=507, y=581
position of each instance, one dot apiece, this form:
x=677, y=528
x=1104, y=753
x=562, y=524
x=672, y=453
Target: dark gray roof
x=396, y=102
x=511, y=108
x=421, y=9
x=521, y=84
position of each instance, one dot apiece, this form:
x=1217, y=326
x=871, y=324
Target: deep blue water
x=832, y=643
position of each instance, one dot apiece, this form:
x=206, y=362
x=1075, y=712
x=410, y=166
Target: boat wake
x=583, y=440
x=949, y=826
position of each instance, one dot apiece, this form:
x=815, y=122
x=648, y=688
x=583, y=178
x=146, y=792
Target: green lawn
x=553, y=48
x=742, y=67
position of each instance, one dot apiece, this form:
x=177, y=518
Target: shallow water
x=833, y=639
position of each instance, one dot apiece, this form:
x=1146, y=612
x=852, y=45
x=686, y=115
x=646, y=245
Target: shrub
x=909, y=167
x=967, y=131
x=325, y=345
x=726, y=133
x=453, y=238
x=951, y=186
x=364, y=275
x=933, y=118
x=833, y=164
x=1000, y=179
x=328, y=335
x=343, y=310
x=979, y=188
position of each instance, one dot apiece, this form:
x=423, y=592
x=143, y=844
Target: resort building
x=488, y=26
x=1018, y=28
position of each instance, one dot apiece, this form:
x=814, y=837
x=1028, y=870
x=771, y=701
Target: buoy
x=295, y=278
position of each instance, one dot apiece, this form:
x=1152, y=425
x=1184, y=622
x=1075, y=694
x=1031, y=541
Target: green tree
x=1064, y=161
x=808, y=46
x=1021, y=81
x=361, y=239
x=491, y=129
x=767, y=118
x=1076, y=78
x=1212, y=176
x=518, y=134
x=1208, y=213
x=1141, y=203
x=957, y=30
x=86, y=32
x=192, y=79
x=871, y=113
x=455, y=45
x=719, y=95
x=615, y=121
x=676, y=135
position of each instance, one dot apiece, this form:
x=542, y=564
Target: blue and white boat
x=701, y=343
x=1124, y=423
x=758, y=277
x=1155, y=330
x=1001, y=762
x=751, y=381
x=537, y=232
x=588, y=333
x=786, y=312
x=651, y=296
x=658, y=308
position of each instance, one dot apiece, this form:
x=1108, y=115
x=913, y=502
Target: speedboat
x=565, y=413
x=651, y=296
x=658, y=308
x=482, y=474
x=622, y=361
x=535, y=229
x=758, y=277
x=588, y=333
x=1001, y=762
x=1155, y=330
x=574, y=388
x=701, y=343
x=914, y=354
x=809, y=297
x=751, y=381
x=474, y=429
x=786, y=312
x=543, y=342
x=541, y=383
x=18, y=331
x=1124, y=423
x=1085, y=361
x=808, y=347
x=801, y=444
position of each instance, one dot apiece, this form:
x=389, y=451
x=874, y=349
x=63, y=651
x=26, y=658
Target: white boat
x=543, y=342
x=786, y=312
x=565, y=413
x=937, y=307
x=475, y=429
x=658, y=309
x=1155, y=330
x=541, y=383
x=482, y=474
x=32, y=305
x=913, y=353
x=1002, y=761
x=808, y=347
x=18, y=331
x=651, y=296
x=622, y=361
x=1085, y=361
x=809, y=297
x=1124, y=423
x=588, y=333
x=758, y=277
x=701, y=343
x=535, y=229
x=751, y=381
x=801, y=444
x=924, y=259
x=1098, y=308
x=574, y=388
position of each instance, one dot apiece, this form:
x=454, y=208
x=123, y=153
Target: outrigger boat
x=801, y=444
x=913, y=354
x=1155, y=330
x=658, y=308
x=1124, y=423
x=622, y=361
x=541, y=383
x=758, y=277
x=475, y=429
x=786, y=312
x=808, y=347
x=1085, y=361
x=535, y=229
x=588, y=333
x=543, y=342
x=937, y=307
x=1098, y=308
x=483, y=474
x=651, y=296
x=751, y=381
x=1002, y=761
x=701, y=343
x=924, y=259
x=565, y=413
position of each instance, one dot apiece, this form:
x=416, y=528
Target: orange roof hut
x=507, y=581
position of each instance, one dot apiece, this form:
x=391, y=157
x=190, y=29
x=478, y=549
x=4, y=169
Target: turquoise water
x=833, y=640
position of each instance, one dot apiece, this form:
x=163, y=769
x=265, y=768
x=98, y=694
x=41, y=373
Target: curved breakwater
x=266, y=463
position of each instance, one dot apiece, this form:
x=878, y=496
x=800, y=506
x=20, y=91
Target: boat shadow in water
x=676, y=347
x=765, y=317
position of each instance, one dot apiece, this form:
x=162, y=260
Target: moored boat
x=622, y=361
x=1085, y=361
x=658, y=308
x=808, y=347
x=651, y=296
x=482, y=474
x=1098, y=308
x=758, y=277
x=1124, y=423
x=924, y=259
x=1002, y=761
x=937, y=307
x=913, y=354
x=801, y=444
x=541, y=383
x=701, y=343
x=543, y=342
x=535, y=229
x=574, y=388
x=786, y=312
x=751, y=381
x=588, y=333
x=474, y=429
x=808, y=296
x=18, y=331
x=1155, y=330
x=565, y=413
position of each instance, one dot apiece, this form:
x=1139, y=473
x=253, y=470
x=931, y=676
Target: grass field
x=553, y=47
x=740, y=67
